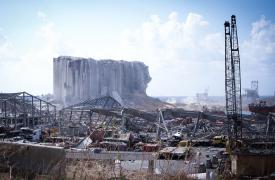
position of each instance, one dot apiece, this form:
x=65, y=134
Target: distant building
x=202, y=97
x=251, y=94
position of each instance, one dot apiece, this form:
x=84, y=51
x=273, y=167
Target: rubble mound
x=144, y=102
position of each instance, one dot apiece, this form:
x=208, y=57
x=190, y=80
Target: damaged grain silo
x=77, y=79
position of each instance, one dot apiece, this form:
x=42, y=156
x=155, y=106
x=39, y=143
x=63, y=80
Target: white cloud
x=181, y=55
x=184, y=56
x=261, y=44
x=7, y=51
x=174, y=50
x=42, y=15
x=38, y=60
x=32, y=72
x=258, y=55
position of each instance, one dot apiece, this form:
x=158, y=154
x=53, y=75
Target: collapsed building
x=23, y=109
x=78, y=79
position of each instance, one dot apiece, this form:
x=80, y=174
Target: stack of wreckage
x=23, y=116
x=111, y=125
x=103, y=124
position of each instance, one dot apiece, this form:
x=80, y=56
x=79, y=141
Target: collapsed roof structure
x=23, y=109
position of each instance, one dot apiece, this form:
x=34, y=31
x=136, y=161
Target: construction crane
x=233, y=81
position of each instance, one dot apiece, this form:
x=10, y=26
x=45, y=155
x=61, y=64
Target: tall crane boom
x=235, y=55
x=233, y=80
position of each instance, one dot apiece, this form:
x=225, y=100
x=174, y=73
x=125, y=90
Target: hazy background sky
x=182, y=42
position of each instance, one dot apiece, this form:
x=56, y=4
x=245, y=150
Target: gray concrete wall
x=253, y=165
x=28, y=159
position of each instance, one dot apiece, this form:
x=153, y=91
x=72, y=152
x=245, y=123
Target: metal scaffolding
x=23, y=109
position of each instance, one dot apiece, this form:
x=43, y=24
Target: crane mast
x=233, y=81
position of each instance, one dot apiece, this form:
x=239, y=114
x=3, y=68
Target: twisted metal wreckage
x=23, y=109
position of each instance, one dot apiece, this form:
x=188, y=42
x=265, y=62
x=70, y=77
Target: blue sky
x=180, y=41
